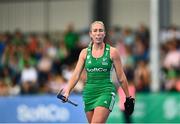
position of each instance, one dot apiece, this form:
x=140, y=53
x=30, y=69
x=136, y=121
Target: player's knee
x=98, y=120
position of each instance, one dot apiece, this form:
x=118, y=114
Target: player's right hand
x=66, y=94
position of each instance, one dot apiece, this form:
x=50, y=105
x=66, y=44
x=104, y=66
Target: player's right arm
x=77, y=73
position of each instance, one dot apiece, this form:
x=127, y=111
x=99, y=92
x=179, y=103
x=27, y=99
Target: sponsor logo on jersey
x=96, y=70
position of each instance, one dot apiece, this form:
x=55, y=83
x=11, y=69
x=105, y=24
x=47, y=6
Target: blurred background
x=40, y=41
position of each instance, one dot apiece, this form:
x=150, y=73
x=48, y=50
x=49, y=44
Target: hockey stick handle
x=60, y=96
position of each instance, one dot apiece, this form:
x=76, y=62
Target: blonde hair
x=95, y=22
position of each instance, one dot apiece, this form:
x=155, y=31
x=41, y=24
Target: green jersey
x=99, y=89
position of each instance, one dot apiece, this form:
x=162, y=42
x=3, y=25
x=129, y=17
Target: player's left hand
x=129, y=105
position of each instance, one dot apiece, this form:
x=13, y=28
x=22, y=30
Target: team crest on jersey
x=104, y=59
x=104, y=62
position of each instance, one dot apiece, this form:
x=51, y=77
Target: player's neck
x=98, y=46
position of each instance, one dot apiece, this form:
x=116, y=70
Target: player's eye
x=101, y=30
x=95, y=30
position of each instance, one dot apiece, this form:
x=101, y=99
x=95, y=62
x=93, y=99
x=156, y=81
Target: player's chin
x=98, y=41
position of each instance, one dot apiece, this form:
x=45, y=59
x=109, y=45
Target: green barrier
x=151, y=108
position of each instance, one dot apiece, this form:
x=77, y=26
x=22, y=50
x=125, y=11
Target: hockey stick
x=61, y=97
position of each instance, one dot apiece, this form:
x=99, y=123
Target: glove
x=129, y=105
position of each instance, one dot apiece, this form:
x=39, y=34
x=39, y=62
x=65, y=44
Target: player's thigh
x=100, y=114
x=89, y=115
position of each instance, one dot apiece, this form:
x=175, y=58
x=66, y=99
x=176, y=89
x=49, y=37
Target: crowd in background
x=35, y=63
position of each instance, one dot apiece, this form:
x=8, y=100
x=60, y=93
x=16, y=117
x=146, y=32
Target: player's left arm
x=130, y=102
x=115, y=57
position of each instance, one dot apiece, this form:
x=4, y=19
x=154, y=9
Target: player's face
x=97, y=33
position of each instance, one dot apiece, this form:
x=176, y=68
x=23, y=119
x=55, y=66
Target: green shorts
x=106, y=100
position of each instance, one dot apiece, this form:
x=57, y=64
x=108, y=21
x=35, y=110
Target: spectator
x=172, y=58
x=142, y=77
x=44, y=68
x=29, y=79
x=56, y=82
x=71, y=39
x=3, y=88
